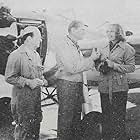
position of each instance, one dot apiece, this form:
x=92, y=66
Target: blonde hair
x=119, y=32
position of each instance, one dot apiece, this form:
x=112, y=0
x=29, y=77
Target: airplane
x=9, y=42
x=9, y=33
x=92, y=76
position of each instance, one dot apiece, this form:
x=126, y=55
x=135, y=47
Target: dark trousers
x=70, y=99
x=27, y=130
x=26, y=110
x=114, y=115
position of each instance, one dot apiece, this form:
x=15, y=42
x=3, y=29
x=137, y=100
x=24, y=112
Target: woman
x=118, y=59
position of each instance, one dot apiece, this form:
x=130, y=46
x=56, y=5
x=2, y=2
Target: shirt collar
x=28, y=52
x=73, y=41
x=119, y=44
x=75, y=44
x=25, y=49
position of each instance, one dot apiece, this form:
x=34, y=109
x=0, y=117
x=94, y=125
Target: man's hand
x=45, y=82
x=95, y=54
x=34, y=83
x=110, y=63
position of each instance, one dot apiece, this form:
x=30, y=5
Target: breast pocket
x=117, y=56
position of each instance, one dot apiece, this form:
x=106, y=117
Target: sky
x=88, y=10
x=95, y=13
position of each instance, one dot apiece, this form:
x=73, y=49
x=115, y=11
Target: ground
x=49, y=123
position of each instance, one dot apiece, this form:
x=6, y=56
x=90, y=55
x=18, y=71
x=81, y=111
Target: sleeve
x=12, y=72
x=129, y=61
x=72, y=62
x=90, y=44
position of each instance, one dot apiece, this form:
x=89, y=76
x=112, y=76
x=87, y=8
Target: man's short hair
x=74, y=24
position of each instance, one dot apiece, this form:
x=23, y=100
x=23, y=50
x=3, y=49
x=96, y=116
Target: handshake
x=33, y=83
